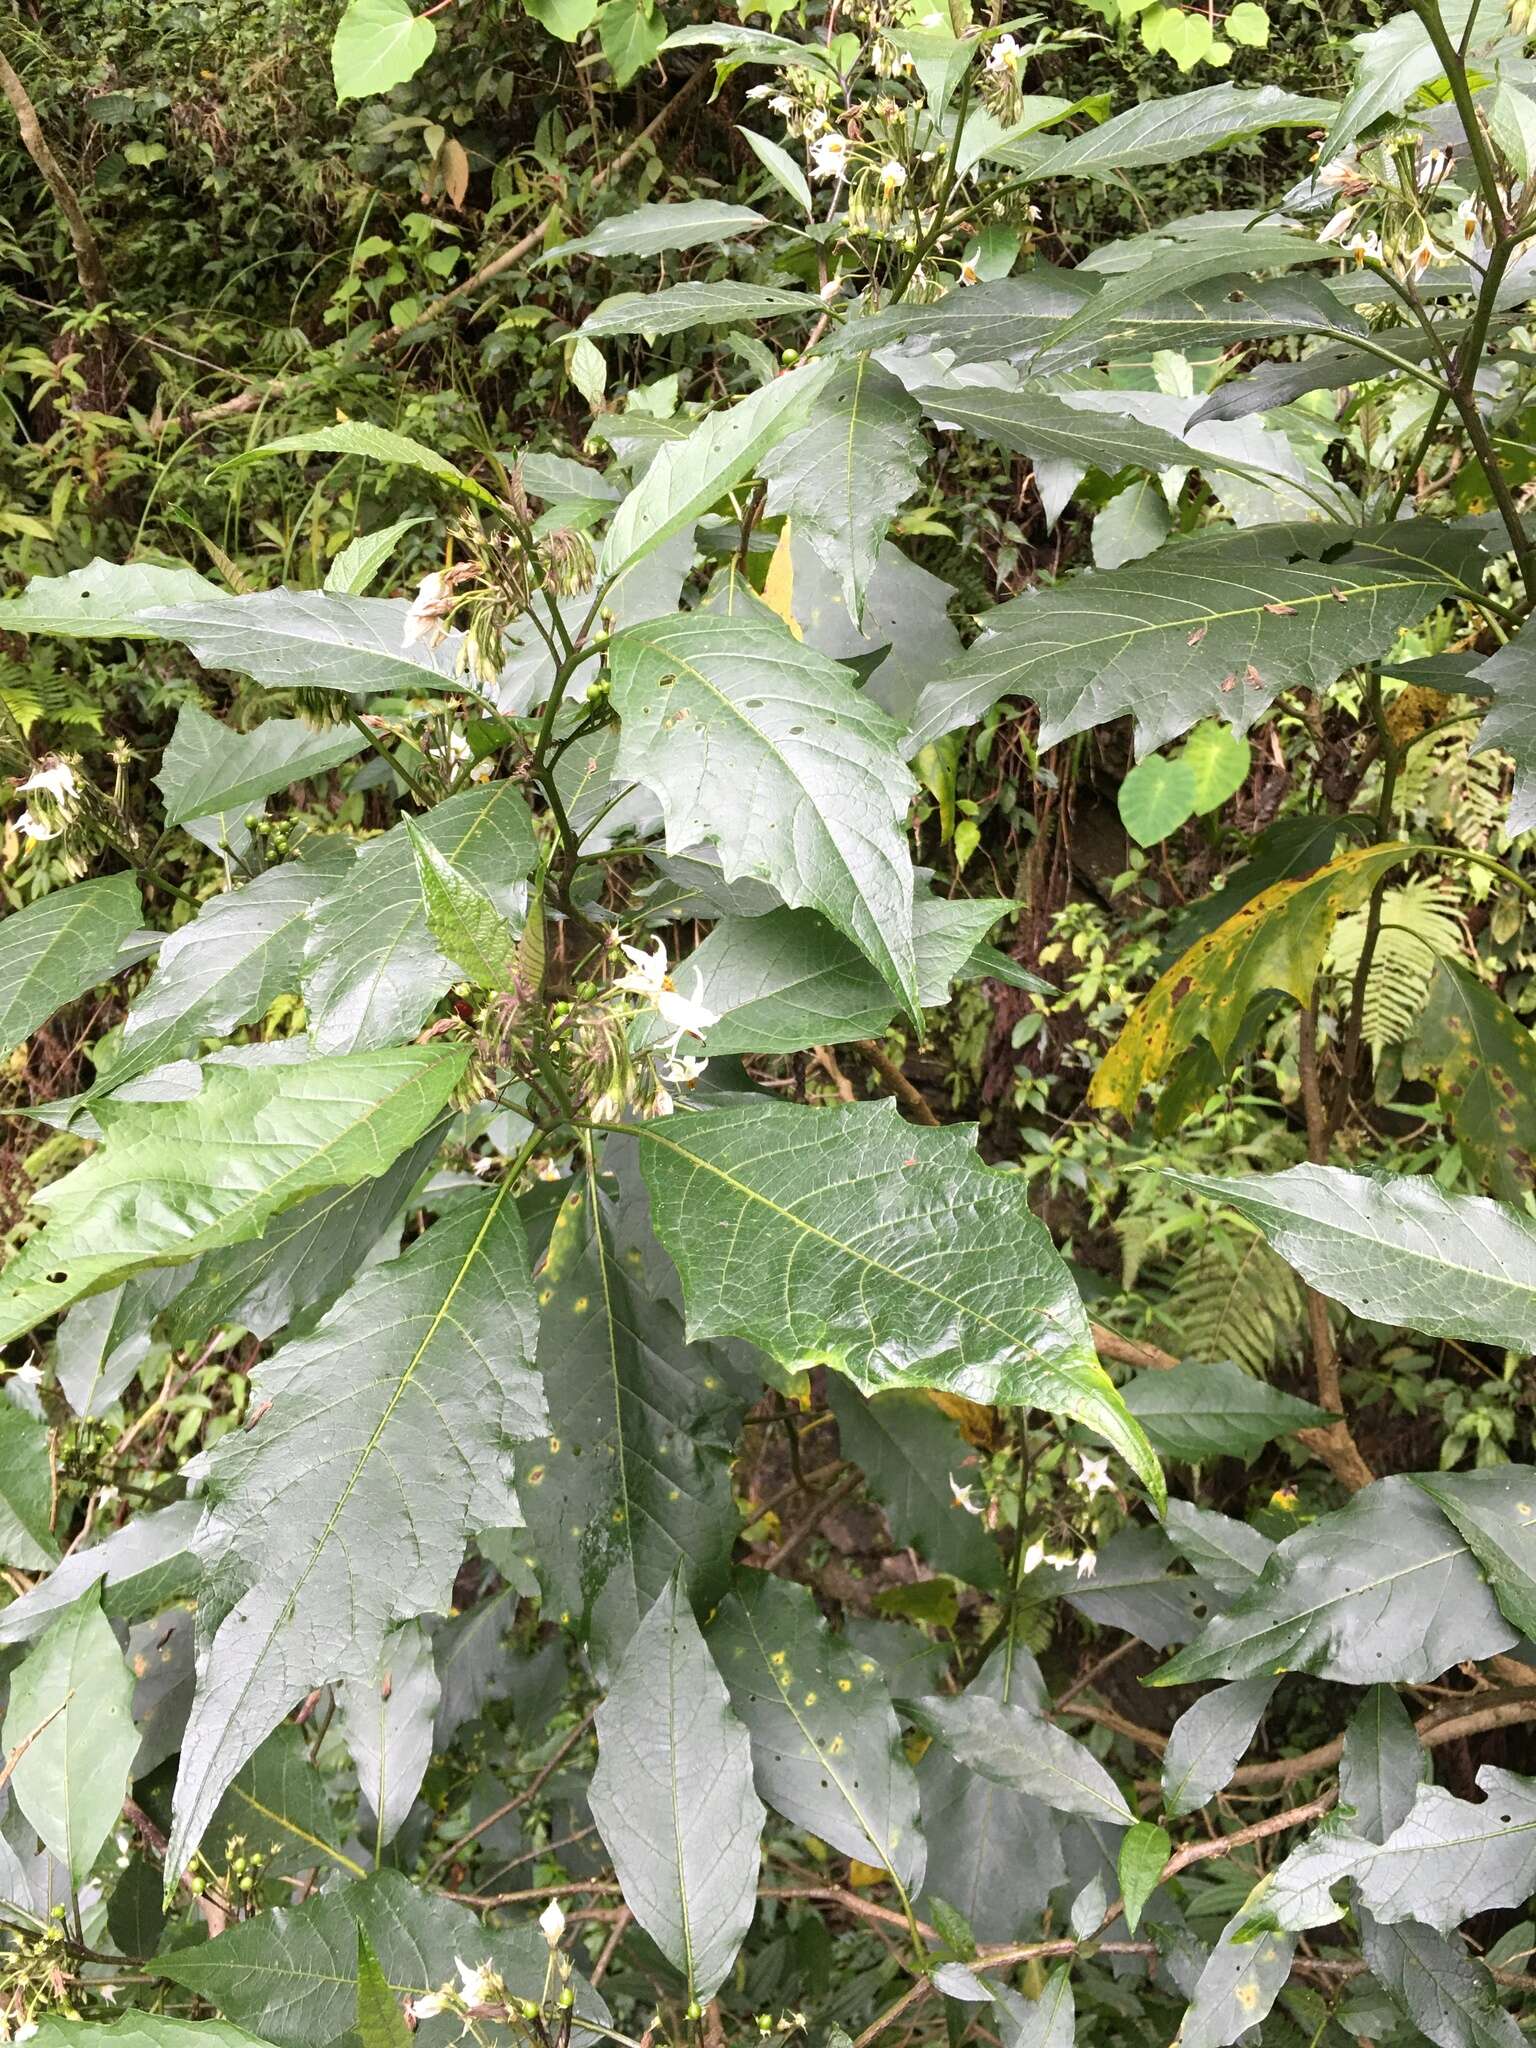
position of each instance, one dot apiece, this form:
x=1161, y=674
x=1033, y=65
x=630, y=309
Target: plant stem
x=393, y=760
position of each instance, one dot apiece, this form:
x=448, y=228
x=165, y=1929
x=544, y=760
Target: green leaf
x=388, y=1438
x=630, y=32
x=60, y=946
x=1247, y=25
x=1396, y=1249
x=290, y=1974
x=766, y=1211
x=1049, y=2021
x=313, y=640
x=1014, y=1747
x=673, y=1800
x=1219, y=761
x=1237, y=1987
x=780, y=166
x=70, y=1706
x=657, y=229
x=224, y=968
x=103, y=601
x=26, y=1494
x=1510, y=724
x=1229, y=1554
x=1483, y=1060
x=1216, y=625
x=826, y=1748
x=1144, y=1849
x=1438, y=1988
x=105, y=1339
x=277, y=1803
x=846, y=470
x=678, y=307
x=1166, y=131
x=380, y=2021
x=1494, y=1510
x=387, y=1726
x=354, y=568
x=908, y=1450
x=757, y=745
x=181, y=1177
x=139, y=2030
x=635, y=1482
x=1208, y=1740
x=687, y=477
x=468, y=929
x=1275, y=941
x=939, y=57
x=1156, y=798
x=566, y=20
x=376, y=972
x=1394, y=61
x=1382, y=1766
x=1135, y=1585
x=1381, y=1591
x=138, y=1566
x=1051, y=429
x=378, y=44
x=207, y=768
x=1194, y=1412
x=374, y=444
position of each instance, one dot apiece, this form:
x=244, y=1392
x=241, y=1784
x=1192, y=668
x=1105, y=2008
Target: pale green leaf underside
x=208, y=767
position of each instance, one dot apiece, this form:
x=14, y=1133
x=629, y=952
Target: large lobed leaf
x=345, y=1509
x=849, y=1238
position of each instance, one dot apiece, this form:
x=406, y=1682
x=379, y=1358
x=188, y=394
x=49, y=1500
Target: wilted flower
x=1338, y=226
x=969, y=274
x=426, y=621
x=1034, y=1557
x=430, y=2006
x=1087, y=1564
x=480, y=1985
x=36, y=828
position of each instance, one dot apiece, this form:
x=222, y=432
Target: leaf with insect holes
x=755, y=744
x=767, y=1210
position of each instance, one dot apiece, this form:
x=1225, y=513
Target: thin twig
x=531, y=1791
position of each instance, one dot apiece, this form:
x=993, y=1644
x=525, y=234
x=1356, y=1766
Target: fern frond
x=1419, y=925
x=1234, y=1298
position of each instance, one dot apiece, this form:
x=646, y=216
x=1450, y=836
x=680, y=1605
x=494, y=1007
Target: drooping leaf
x=1396, y=1249
x=69, y=1715
x=209, y=768
x=388, y=1724
x=673, y=1800
x=138, y=1566
x=1238, y=1985
x=219, y=1166
x=1051, y=429
x=374, y=444
x=780, y=166
x=388, y=1440
x=687, y=477
x=826, y=1748
x=1144, y=1850
x=1495, y=1512
x=1228, y=1554
x=1380, y=1591
x=26, y=1494
x=1275, y=941
x=963, y=1290
x=290, y=1974
x=1168, y=130
x=634, y=1482
x=1208, y=1740
x=1382, y=1766
x=468, y=929
x=1483, y=1059
x=1049, y=2021
x=1015, y=1747
x=378, y=44
x=677, y=307
x=843, y=474
x=105, y=1339
x=1194, y=1412
x=758, y=746
x=658, y=229
x=60, y=946
x=225, y=968
x=1437, y=1986
x=1217, y=626
x=312, y=640
x=909, y=1451
x=375, y=972
x=104, y=600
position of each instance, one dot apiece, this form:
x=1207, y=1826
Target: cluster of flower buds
x=35, y=1981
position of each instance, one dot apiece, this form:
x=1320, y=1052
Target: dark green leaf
x=1194, y=1412
x=1382, y=1766
x=104, y=600
x=380, y=2021
x=677, y=307
x=910, y=1453
x=374, y=444
x=26, y=1496
x=1237, y=1987
x=208, y=767
x=60, y=946
x=1484, y=1063
x=468, y=929
x=1017, y=1748
x=657, y=229
x=1437, y=1986
x=1143, y=1852
x=1495, y=1512
x=388, y=1728
x=1208, y=1740
x=148, y=1559
x=312, y=640
x=1049, y=2021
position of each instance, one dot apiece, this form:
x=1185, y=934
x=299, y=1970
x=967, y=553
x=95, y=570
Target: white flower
x=429, y=608
x=1339, y=226
x=1363, y=246
x=969, y=274
x=552, y=1923
x=1004, y=54
x=685, y=1071
x=815, y=121
x=1414, y=262
x=782, y=104
x=429, y=2007
x=1087, y=1564
x=831, y=290
x=1466, y=228
x=459, y=749
x=1034, y=1557
x=1093, y=1475
x=647, y=974
x=29, y=1376
x=483, y=770
x=761, y=92
x=964, y=1496
x=649, y=978
x=478, y=1986
x=25, y=2031
x=57, y=781
x=829, y=156
x=892, y=176
x=37, y=828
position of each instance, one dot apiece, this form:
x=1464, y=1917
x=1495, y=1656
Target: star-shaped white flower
x=58, y=781
x=964, y=1496
x=480, y=1985
x=1093, y=1475
x=649, y=977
